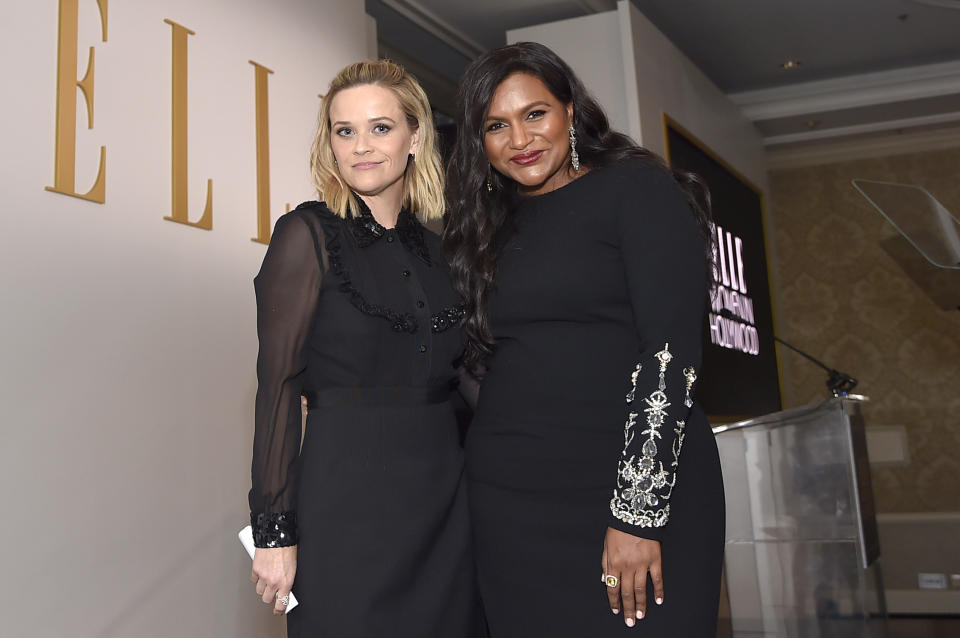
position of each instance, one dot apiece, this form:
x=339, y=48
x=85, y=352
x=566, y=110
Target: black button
x=405, y=273
x=420, y=304
x=389, y=239
x=423, y=348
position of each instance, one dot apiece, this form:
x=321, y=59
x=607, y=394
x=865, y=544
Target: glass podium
x=802, y=552
x=927, y=242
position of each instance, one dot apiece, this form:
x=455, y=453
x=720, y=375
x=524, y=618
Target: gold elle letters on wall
x=65, y=153
x=263, y=154
x=64, y=181
x=178, y=109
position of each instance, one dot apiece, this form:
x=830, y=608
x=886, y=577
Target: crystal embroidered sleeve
x=645, y=479
x=665, y=260
x=287, y=288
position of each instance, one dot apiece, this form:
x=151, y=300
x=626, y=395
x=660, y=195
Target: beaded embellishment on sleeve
x=644, y=485
x=278, y=529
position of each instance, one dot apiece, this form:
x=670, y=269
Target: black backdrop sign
x=739, y=374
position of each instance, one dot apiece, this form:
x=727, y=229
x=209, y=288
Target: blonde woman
x=366, y=520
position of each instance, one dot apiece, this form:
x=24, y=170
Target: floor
x=897, y=627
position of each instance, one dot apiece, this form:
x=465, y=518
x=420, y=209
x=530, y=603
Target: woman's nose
x=519, y=138
x=361, y=144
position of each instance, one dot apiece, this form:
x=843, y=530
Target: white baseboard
x=919, y=517
x=921, y=601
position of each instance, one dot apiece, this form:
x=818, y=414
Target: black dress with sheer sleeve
x=363, y=321
x=587, y=416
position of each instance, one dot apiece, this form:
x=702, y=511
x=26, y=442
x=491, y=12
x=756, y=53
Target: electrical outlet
x=955, y=581
x=932, y=581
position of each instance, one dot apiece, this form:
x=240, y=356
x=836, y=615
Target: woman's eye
x=533, y=115
x=344, y=132
x=496, y=126
x=381, y=129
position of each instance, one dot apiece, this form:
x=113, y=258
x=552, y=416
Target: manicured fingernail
x=616, y=611
x=659, y=601
x=630, y=622
x=639, y=614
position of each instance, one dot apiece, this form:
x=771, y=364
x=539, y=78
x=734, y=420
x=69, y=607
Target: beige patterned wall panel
x=843, y=299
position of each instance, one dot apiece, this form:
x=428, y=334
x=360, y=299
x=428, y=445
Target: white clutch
x=246, y=539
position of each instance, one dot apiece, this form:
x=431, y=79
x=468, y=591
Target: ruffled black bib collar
x=366, y=230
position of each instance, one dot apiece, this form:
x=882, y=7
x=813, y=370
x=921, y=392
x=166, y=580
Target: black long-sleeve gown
x=363, y=321
x=600, y=294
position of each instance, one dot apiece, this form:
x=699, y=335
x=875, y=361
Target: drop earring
x=574, y=157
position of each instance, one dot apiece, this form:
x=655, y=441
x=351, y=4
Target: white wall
x=128, y=342
x=638, y=74
x=668, y=82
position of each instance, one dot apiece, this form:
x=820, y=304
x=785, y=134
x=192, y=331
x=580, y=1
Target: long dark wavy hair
x=478, y=217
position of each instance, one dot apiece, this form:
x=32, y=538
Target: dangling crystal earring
x=489, y=183
x=574, y=157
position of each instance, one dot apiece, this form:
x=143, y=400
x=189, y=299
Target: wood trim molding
x=868, y=89
x=868, y=127
x=833, y=151
x=668, y=123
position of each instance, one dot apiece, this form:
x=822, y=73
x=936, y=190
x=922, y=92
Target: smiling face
x=526, y=134
x=371, y=139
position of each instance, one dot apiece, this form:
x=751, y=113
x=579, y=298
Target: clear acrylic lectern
x=802, y=555
x=927, y=243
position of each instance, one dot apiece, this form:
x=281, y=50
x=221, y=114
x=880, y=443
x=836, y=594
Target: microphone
x=839, y=383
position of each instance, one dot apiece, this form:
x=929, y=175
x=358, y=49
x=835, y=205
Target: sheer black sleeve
x=664, y=256
x=287, y=288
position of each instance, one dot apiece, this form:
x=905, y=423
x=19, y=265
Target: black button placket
x=406, y=277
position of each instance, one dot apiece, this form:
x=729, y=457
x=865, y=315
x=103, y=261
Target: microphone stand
x=838, y=383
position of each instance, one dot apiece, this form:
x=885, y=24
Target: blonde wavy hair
x=423, y=180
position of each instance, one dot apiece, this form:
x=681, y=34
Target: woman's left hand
x=629, y=558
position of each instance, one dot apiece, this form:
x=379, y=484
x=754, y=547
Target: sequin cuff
x=274, y=530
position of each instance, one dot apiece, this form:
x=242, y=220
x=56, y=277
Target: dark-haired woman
x=586, y=261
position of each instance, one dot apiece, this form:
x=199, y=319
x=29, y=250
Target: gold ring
x=611, y=580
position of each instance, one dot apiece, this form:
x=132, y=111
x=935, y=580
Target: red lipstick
x=526, y=158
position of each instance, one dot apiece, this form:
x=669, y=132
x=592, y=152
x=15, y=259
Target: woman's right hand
x=629, y=558
x=273, y=571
